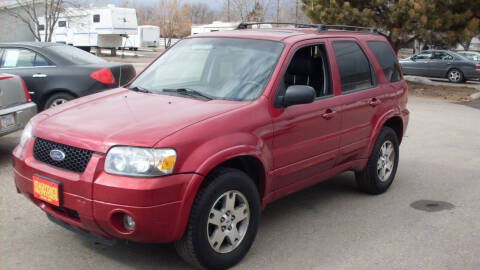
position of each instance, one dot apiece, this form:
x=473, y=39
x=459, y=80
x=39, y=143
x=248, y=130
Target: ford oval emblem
x=57, y=155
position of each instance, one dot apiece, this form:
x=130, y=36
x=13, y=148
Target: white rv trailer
x=147, y=36
x=94, y=27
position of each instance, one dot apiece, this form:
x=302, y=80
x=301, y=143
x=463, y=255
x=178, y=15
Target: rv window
x=62, y=23
x=96, y=18
x=41, y=27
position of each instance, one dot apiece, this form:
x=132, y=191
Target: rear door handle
x=39, y=75
x=374, y=102
x=329, y=114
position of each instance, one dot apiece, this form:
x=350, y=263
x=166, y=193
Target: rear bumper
x=22, y=114
x=157, y=206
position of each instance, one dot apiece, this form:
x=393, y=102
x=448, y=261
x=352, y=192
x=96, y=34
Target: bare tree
x=240, y=9
x=173, y=18
x=201, y=13
x=31, y=11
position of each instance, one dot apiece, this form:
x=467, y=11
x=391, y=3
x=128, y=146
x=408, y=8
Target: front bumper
x=22, y=114
x=94, y=201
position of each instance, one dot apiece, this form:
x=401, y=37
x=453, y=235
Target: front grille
x=76, y=159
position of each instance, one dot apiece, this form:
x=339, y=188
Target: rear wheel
x=223, y=221
x=455, y=75
x=58, y=99
x=382, y=164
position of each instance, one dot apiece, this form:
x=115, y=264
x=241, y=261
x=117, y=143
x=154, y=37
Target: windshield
x=217, y=68
x=76, y=56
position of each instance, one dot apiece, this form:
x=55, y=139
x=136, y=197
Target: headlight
x=136, y=161
x=26, y=134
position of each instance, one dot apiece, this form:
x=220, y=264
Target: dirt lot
x=455, y=94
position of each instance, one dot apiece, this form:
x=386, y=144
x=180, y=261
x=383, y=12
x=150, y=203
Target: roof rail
x=320, y=27
x=245, y=25
x=326, y=27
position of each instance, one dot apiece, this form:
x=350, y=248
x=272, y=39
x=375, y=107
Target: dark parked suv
x=217, y=127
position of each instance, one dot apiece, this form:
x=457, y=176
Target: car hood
x=124, y=117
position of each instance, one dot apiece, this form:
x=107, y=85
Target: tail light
x=25, y=89
x=5, y=77
x=477, y=66
x=104, y=76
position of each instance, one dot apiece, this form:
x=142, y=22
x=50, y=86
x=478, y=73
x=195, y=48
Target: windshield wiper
x=140, y=89
x=187, y=92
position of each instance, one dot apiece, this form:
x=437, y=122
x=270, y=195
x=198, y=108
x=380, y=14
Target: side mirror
x=298, y=94
x=412, y=58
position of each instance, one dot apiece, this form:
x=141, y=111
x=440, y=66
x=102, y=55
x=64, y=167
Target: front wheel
x=223, y=221
x=382, y=164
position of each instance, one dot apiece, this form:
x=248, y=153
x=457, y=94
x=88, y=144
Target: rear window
x=353, y=65
x=62, y=23
x=75, y=56
x=385, y=57
x=96, y=18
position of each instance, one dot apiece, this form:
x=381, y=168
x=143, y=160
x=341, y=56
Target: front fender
x=209, y=155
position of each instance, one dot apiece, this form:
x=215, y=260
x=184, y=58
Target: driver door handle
x=329, y=114
x=39, y=75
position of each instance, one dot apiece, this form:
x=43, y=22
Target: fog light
x=128, y=222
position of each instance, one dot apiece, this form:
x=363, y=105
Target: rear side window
x=353, y=65
x=18, y=58
x=385, y=57
x=62, y=23
x=41, y=61
x=96, y=18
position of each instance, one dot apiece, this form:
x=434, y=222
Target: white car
x=16, y=107
x=471, y=55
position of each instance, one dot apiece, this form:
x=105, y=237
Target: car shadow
x=163, y=256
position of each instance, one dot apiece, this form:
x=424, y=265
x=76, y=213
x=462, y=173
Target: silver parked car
x=441, y=64
x=16, y=108
x=474, y=56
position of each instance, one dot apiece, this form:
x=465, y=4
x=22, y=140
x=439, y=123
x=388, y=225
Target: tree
x=240, y=9
x=201, y=13
x=256, y=14
x=173, y=19
x=31, y=11
x=401, y=21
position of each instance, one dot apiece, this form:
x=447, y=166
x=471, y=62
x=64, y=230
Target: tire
x=57, y=99
x=373, y=180
x=195, y=247
x=455, y=76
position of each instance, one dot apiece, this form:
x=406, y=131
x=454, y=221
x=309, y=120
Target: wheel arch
x=53, y=92
x=390, y=119
x=245, y=158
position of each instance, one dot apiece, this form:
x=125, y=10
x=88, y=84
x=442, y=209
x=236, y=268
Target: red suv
x=213, y=130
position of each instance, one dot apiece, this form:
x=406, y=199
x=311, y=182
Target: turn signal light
x=104, y=76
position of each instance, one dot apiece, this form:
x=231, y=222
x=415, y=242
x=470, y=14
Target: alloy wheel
x=228, y=221
x=386, y=161
x=454, y=75
x=57, y=102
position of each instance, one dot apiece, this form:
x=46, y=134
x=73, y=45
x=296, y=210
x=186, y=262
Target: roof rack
x=320, y=27
x=326, y=27
x=245, y=25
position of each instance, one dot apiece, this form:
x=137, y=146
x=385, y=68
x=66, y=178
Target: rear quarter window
x=353, y=65
x=387, y=60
